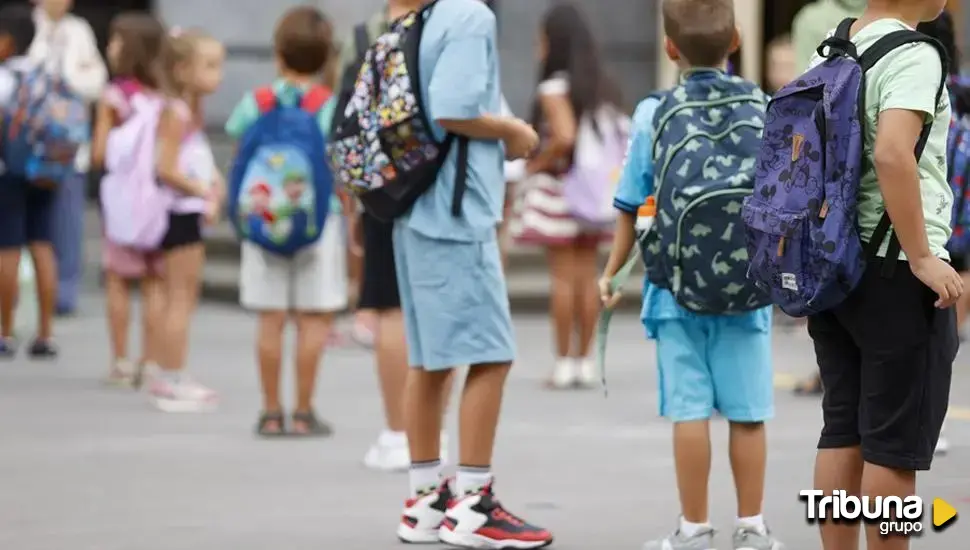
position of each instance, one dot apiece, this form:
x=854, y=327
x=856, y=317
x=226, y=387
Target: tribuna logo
x=894, y=515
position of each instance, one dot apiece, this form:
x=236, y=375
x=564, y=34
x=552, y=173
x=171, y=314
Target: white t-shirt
x=514, y=169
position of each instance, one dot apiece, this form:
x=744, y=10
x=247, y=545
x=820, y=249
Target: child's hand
x=607, y=295
x=211, y=213
x=521, y=141
x=941, y=278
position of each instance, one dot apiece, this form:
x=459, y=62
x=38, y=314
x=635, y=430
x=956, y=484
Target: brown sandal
x=306, y=424
x=270, y=425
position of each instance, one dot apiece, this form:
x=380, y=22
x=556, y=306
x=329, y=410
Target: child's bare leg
x=183, y=270
x=269, y=349
x=312, y=332
x=119, y=313
x=392, y=367
x=748, y=451
x=839, y=469
x=153, y=316
x=45, y=269
x=692, y=459
x=9, y=288
x=880, y=481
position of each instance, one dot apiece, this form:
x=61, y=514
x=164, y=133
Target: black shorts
x=959, y=262
x=379, y=283
x=26, y=213
x=886, y=357
x=183, y=230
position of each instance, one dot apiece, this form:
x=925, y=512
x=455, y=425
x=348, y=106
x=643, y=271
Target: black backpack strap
x=361, y=41
x=461, y=175
x=867, y=61
x=839, y=43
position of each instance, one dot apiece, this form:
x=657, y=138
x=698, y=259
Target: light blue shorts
x=714, y=363
x=454, y=300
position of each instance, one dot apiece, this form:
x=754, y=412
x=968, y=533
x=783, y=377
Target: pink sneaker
x=183, y=395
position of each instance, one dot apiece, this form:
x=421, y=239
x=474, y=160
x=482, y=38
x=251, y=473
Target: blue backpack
x=280, y=185
x=707, y=136
x=803, y=237
x=958, y=174
x=44, y=127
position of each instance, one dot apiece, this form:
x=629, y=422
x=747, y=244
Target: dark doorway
x=100, y=12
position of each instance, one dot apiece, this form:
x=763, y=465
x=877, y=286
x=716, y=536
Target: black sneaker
x=42, y=349
x=8, y=348
x=463, y=525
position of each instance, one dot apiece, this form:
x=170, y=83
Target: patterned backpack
x=44, y=128
x=958, y=174
x=384, y=149
x=803, y=237
x=707, y=136
x=280, y=185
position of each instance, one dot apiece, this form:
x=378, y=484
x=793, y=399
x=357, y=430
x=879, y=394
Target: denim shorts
x=26, y=213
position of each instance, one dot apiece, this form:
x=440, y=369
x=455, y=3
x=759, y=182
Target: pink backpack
x=135, y=206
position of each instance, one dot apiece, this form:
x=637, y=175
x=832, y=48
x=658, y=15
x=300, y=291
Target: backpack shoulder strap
x=265, y=99
x=315, y=98
x=361, y=41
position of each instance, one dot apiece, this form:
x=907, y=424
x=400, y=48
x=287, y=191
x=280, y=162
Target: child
x=716, y=361
x=26, y=210
x=886, y=352
x=192, y=70
x=780, y=66
x=451, y=318
x=312, y=286
x=136, y=41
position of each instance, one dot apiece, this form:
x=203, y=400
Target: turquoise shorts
x=454, y=301
x=714, y=363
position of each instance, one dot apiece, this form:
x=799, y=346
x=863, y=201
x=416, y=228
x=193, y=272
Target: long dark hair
x=943, y=29
x=572, y=50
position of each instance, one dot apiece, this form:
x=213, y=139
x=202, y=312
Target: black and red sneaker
x=423, y=515
x=480, y=521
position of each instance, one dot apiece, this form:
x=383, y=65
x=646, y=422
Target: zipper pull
x=781, y=247
x=675, y=284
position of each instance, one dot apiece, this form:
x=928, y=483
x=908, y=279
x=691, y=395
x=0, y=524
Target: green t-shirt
x=246, y=114
x=906, y=78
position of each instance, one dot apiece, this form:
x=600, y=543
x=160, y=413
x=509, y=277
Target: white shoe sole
x=471, y=540
x=410, y=535
x=180, y=406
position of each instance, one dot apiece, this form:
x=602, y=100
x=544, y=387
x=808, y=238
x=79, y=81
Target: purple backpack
x=589, y=187
x=802, y=233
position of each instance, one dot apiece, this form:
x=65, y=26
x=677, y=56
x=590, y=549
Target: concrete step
x=528, y=288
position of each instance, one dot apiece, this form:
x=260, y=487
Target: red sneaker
x=480, y=521
x=423, y=515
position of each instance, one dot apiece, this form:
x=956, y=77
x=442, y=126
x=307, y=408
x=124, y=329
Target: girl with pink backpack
x=128, y=253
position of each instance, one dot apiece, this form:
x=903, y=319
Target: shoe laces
x=499, y=513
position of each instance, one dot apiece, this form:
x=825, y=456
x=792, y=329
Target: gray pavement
x=83, y=467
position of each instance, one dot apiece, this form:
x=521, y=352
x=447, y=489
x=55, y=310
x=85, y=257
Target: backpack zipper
x=676, y=283
x=662, y=175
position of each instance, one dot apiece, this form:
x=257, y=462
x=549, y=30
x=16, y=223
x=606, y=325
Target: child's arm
x=171, y=130
x=104, y=121
x=558, y=114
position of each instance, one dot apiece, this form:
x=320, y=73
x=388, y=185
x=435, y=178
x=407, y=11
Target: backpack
x=133, y=204
x=280, y=184
x=348, y=82
x=958, y=174
x=707, y=136
x=385, y=151
x=590, y=184
x=45, y=127
x=803, y=236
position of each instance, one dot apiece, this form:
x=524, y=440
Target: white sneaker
x=942, y=445
x=120, y=374
x=564, y=374
x=423, y=515
x=390, y=452
x=182, y=395
x=589, y=373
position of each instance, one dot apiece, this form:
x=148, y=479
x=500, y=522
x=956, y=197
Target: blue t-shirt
x=636, y=184
x=460, y=81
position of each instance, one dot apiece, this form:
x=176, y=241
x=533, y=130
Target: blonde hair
x=180, y=48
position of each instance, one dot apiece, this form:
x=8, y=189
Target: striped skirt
x=540, y=216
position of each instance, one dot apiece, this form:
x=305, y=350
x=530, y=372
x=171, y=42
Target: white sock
x=393, y=439
x=690, y=529
x=170, y=376
x=425, y=477
x=471, y=479
x=756, y=523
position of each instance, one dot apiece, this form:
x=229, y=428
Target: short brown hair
x=702, y=30
x=142, y=39
x=303, y=40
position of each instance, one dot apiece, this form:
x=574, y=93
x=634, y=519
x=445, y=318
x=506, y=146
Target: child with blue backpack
x=848, y=225
x=692, y=158
x=281, y=191
x=26, y=209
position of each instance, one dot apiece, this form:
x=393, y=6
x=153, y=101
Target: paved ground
x=86, y=468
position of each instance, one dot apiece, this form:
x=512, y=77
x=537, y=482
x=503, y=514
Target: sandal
x=270, y=424
x=809, y=386
x=306, y=424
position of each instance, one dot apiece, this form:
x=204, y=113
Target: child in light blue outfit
x=707, y=363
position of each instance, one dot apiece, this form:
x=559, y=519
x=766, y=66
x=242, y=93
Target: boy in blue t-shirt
x=706, y=363
x=311, y=286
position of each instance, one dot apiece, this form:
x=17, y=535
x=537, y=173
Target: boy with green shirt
x=886, y=353
x=311, y=286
